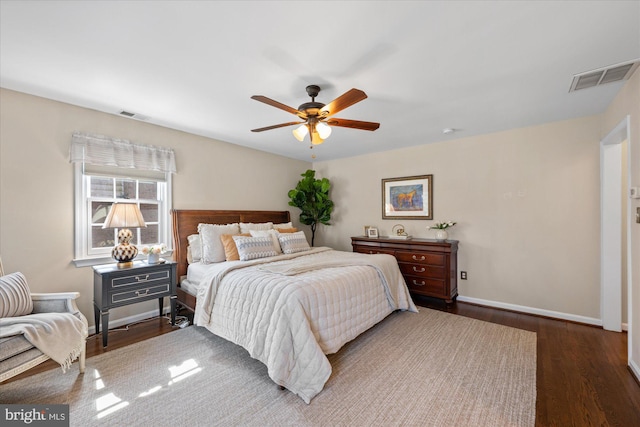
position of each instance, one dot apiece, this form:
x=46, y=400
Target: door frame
x=611, y=228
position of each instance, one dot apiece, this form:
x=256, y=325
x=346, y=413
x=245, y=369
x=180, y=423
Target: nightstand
x=117, y=287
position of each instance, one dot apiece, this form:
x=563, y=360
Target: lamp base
x=128, y=264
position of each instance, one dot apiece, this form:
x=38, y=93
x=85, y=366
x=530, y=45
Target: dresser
x=115, y=287
x=428, y=266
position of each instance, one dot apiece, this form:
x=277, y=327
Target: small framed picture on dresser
x=372, y=232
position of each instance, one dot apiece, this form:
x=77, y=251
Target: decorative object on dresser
x=397, y=232
x=372, y=232
x=441, y=229
x=409, y=197
x=428, y=266
x=123, y=216
x=117, y=287
x=153, y=252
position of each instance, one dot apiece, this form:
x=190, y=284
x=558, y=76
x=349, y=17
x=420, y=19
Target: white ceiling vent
x=133, y=115
x=612, y=73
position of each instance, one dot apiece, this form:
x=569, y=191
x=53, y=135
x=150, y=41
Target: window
x=95, y=196
x=98, y=186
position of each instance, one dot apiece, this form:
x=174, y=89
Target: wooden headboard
x=185, y=223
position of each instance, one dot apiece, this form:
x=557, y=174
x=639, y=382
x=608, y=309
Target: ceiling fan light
x=300, y=132
x=316, y=139
x=323, y=129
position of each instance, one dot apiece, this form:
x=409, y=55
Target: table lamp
x=123, y=216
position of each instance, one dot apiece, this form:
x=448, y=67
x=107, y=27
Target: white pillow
x=273, y=234
x=254, y=247
x=293, y=242
x=15, y=296
x=212, y=248
x=194, y=250
x=245, y=227
x=283, y=225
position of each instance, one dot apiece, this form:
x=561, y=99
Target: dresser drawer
x=140, y=294
x=371, y=250
x=427, y=286
x=420, y=257
x=422, y=270
x=139, y=279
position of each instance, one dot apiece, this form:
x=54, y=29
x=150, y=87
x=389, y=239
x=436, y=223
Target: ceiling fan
x=318, y=116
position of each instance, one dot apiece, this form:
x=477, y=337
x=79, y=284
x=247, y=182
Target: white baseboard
x=635, y=369
x=116, y=323
x=625, y=327
x=532, y=310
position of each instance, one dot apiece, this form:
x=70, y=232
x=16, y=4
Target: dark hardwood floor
x=582, y=374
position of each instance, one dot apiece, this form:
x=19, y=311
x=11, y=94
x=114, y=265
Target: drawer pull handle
x=422, y=258
x=422, y=270
x=422, y=283
x=138, y=278
x=140, y=293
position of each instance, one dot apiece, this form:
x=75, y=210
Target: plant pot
x=442, y=235
x=153, y=259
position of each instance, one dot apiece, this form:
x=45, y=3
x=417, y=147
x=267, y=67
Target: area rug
x=429, y=368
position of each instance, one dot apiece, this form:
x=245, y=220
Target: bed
x=288, y=310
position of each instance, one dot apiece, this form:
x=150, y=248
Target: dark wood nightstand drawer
x=140, y=279
x=141, y=294
x=422, y=270
x=422, y=258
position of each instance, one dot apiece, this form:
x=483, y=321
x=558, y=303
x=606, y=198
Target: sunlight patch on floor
x=150, y=391
x=186, y=369
x=108, y=404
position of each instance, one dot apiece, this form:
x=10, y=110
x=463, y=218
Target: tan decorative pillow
x=287, y=230
x=230, y=248
x=15, y=296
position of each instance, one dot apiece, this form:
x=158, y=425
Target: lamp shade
x=300, y=132
x=324, y=130
x=124, y=215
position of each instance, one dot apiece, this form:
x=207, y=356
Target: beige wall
x=526, y=202
x=36, y=185
x=627, y=103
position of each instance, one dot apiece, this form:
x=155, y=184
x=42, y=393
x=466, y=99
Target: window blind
x=107, y=151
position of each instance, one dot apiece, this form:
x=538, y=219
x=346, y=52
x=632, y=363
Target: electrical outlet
x=463, y=275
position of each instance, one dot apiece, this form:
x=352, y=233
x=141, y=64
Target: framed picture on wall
x=409, y=197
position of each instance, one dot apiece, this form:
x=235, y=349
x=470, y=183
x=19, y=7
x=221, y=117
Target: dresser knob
x=140, y=293
x=139, y=279
x=422, y=270
x=422, y=258
x=422, y=283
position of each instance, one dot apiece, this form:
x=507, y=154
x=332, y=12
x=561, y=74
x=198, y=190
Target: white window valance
x=107, y=151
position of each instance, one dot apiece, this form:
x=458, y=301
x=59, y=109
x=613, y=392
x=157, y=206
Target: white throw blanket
x=289, y=313
x=61, y=336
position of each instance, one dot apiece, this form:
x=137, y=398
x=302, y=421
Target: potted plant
x=441, y=229
x=311, y=195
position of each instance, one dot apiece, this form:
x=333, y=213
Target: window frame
x=86, y=256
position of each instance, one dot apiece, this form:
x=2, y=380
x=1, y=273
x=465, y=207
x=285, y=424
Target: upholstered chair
x=29, y=323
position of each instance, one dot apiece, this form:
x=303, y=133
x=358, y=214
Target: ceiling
x=477, y=67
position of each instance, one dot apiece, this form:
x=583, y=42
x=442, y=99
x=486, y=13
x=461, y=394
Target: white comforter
x=289, y=311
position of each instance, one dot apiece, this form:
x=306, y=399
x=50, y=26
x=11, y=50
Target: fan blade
x=281, y=125
x=354, y=124
x=345, y=100
x=276, y=104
